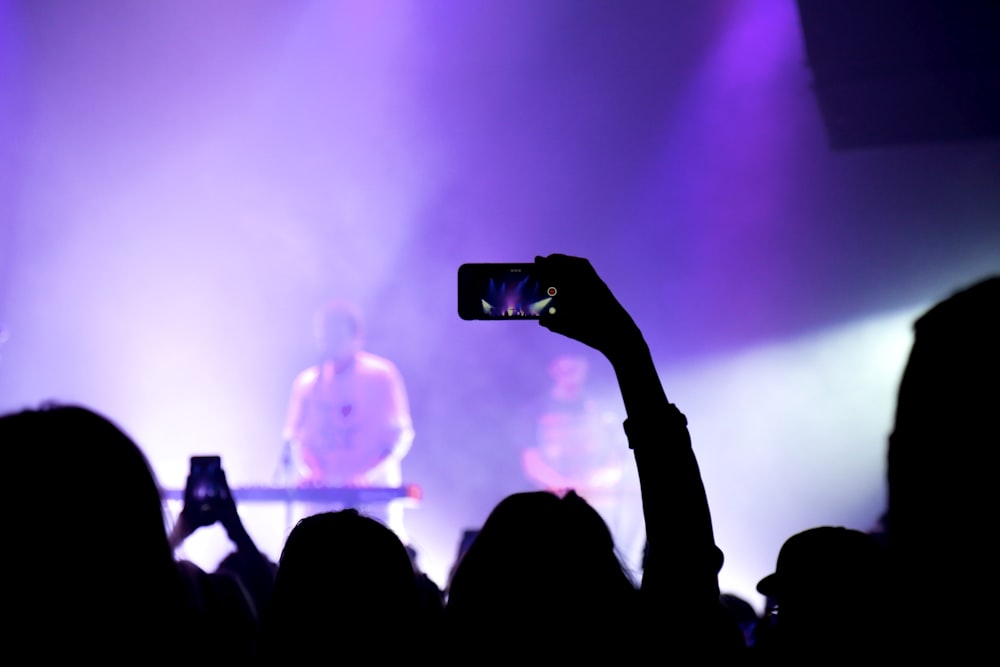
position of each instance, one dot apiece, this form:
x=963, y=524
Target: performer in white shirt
x=348, y=421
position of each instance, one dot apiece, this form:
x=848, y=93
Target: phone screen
x=503, y=292
x=205, y=478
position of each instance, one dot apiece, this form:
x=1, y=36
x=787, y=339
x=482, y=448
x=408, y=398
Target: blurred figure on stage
x=578, y=445
x=348, y=422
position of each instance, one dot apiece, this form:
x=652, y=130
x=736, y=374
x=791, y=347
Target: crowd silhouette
x=540, y=580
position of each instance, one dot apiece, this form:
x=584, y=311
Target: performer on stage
x=348, y=420
x=578, y=446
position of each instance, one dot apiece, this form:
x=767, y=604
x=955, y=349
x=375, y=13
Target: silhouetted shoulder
x=976, y=305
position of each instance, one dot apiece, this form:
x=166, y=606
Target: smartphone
x=206, y=483
x=501, y=292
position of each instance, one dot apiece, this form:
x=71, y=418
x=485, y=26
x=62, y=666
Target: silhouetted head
x=940, y=471
x=539, y=561
x=342, y=580
x=829, y=562
x=830, y=586
x=941, y=468
x=88, y=518
x=91, y=481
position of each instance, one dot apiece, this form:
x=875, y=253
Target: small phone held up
x=504, y=292
x=206, y=484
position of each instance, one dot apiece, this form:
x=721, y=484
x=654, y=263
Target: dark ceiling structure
x=890, y=72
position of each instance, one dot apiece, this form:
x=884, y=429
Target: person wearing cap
x=827, y=596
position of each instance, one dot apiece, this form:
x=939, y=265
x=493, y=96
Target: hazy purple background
x=184, y=181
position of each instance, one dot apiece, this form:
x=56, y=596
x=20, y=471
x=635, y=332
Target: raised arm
x=680, y=578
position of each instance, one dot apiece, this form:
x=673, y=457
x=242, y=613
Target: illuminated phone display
x=503, y=292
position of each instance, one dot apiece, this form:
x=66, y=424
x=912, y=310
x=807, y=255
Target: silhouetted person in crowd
x=744, y=614
x=942, y=475
x=431, y=596
x=539, y=561
x=541, y=581
x=91, y=575
x=829, y=596
x=468, y=537
x=232, y=597
x=345, y=590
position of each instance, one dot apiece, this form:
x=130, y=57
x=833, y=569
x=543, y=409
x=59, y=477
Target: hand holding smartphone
x=504, y=292
x=206, y=489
